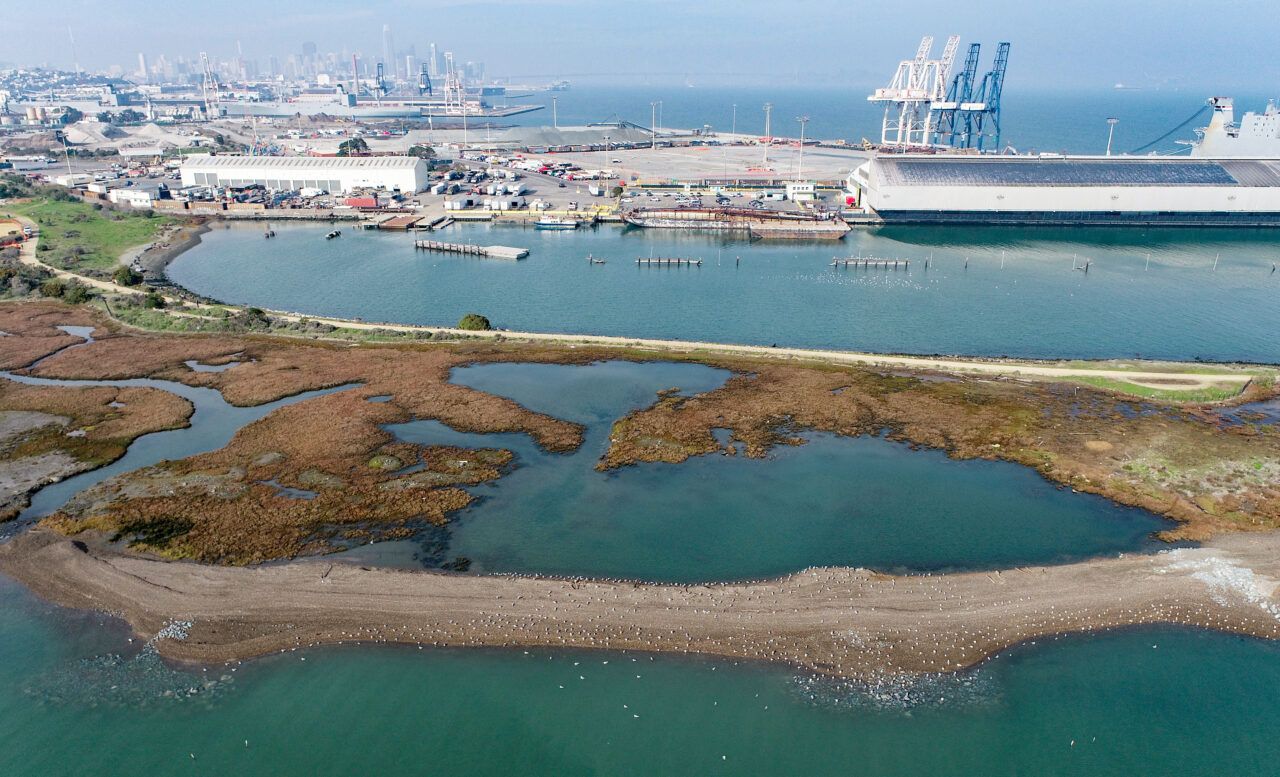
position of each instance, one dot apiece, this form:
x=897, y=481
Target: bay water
x=1164, y=294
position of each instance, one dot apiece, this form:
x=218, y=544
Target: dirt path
x=835, y=620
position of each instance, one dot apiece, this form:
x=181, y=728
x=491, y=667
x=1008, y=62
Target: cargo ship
x=756, y=223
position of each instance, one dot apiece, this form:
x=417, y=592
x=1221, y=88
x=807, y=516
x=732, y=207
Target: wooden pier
x=468, y=249
x=870, y=262
x=675, y=261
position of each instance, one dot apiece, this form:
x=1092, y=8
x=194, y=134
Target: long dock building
x=1056, y=189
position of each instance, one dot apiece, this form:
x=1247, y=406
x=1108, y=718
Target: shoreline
x=1176, y=378
x=1179, y=375
x=836, y=621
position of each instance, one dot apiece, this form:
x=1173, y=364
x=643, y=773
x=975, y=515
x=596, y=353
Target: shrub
x=153, y=300
x=76, y=294
x=126, y=276
x=54, y=287
x=474, y=322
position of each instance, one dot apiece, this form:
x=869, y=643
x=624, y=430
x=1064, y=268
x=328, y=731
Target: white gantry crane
x=919, y=82
x=455, y=94
x=209, y=88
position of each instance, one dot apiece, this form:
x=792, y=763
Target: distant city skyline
x=1082, y=44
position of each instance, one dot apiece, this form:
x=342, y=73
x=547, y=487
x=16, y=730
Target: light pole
x=768, y=109
x=1111, y=131
x=800, y=162
x=659, y=113
x=464, y=123
x=734, y=130
x=653, y=126
x=555, y=119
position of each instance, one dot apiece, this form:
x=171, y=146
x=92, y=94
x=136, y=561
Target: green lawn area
x=1213, y=394
x=78, y=237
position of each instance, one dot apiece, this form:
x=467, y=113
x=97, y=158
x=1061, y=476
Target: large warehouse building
x=332, y=174
x=931, y=189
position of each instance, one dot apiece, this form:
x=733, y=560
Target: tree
x=615, y=191
x=71, y=115
x=422, y=152
x=474, y=322
x=353, y=147
x=126, y=276
x=153, y=300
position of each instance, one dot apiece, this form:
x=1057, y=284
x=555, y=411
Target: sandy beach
x=838, y=621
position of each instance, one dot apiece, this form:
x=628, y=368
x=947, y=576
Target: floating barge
x=757, y=223
x=469, y=249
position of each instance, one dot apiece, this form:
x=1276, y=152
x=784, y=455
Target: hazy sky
x=1224, y=47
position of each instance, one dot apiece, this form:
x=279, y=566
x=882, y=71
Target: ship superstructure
x=1257, y=136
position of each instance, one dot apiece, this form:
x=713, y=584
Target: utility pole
x=1111, y=131
x=800, y=163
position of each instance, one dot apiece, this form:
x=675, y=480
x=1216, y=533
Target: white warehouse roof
x=317, y=163
x=408, y=174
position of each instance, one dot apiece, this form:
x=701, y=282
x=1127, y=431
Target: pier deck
x=469, y=249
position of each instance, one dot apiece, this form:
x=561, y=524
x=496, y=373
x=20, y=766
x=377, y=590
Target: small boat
x=594, y=260
x=270, y=233
x=552, y=222
x=333, y=234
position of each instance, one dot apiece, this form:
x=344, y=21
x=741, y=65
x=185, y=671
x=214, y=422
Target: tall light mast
x=768, y=110
x=800, y=162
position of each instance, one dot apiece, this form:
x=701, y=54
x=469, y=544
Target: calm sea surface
x=991, y=292
x=76, y=698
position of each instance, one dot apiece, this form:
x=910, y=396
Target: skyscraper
x=433, y=62
x=142, y=66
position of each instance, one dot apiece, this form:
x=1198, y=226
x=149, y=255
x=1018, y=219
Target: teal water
x=1018, y=296
x=833, y=501
x=76, y=698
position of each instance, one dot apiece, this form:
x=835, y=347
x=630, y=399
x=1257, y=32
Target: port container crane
x=953, y=124
x=984, y=111
x=424, y=80
x=917, y=84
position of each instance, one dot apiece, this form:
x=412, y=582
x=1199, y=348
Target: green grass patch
x=79, y=237
x=1212, y=394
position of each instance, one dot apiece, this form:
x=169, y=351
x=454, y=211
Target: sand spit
x=838, y=621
